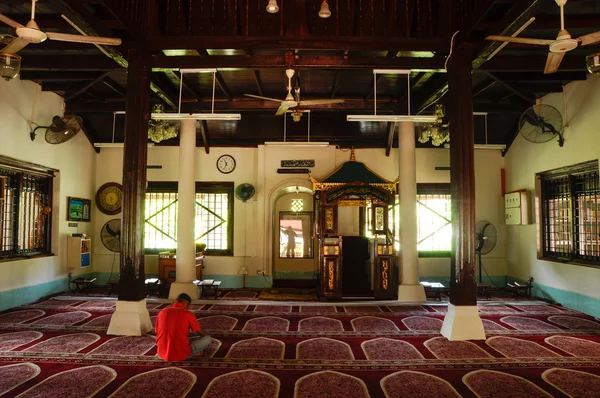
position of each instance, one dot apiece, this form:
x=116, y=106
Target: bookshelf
x=79, y=252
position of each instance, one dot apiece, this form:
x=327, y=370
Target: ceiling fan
x=31, y=33
x=292, y=101
x=558, y=47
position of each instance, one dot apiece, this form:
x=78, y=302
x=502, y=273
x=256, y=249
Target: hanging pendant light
x=324, y=11
x=272, y=7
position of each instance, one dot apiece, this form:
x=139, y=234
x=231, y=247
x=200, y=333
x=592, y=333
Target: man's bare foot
x=199, y=354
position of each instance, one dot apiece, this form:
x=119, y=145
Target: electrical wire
x=451, y=49
x=488, y=275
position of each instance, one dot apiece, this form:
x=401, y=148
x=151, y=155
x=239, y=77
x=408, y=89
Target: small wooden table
x=114, y=286
x=208, y=284
x=482, y=290
x=83, y=283
x=435, y=288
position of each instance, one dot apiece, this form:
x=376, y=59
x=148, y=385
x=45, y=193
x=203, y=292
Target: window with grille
x=434, y=229
x=213, y=215
x=570, y=219
x=25, y=202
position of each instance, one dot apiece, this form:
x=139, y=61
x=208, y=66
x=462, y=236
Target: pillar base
x=131, y=318
x=462, y=322
x=411, y=293
x=183, y=287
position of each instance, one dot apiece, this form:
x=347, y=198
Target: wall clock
x=108, y=198
x=226, y=164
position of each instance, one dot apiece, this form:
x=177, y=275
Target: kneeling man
x=172, y=327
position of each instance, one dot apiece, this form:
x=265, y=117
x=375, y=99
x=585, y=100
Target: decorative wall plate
x=108, y=198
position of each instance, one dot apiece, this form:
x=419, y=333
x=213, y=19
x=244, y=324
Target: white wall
x=20, y=103
x=525, y=159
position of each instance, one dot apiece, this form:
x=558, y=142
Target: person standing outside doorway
x=172, y=327
x=291, y=241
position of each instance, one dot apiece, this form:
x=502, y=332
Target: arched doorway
x=294, y=262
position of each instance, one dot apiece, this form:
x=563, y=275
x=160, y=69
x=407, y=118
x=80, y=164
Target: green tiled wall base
x=578, y=302
x=29, y=294
x=229, y=281
x=495, y=281
x=295, y=275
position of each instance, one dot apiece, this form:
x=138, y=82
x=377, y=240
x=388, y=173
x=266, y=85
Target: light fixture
x=436, y=131
x=196, y=116
x=296, y=143
x=10, y=65
x=114, y=145
x=272, y=7
x=324, y=11
x=593, y=63
x=391, y=118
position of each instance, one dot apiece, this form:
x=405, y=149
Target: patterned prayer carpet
x=59, y=348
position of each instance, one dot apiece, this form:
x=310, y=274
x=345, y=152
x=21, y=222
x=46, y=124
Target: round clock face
x=226, y=164
x=108, y=198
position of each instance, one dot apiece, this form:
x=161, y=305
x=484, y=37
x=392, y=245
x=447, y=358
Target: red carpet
x=59, y=348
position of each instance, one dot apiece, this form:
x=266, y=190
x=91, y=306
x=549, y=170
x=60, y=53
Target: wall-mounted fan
x=31, y=33
x=541, y=123
x=110, y=235
x=292, y=101
x=558, y=47
x=62, y=129
x=244, y=191
x=485, y=240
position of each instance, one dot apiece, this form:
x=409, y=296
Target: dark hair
x=184, y=296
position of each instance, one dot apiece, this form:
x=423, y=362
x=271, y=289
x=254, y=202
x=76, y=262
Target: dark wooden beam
x=54, y=21
x=299, y=43
x=222, y=85
x=483, y=86
x=434, y=97
x=56, y=76
x=162, y=62
x=390, y=138
x=87, y=86
x=91, y=134
x=204, y=133
x=527, y=97
x=256, y=74
x=372, y=89
x=336, y=81
x=160, y=92
x=533, y=63
x=540, y=77
x=116, y=10
x=175, y=79
x=114, y=86
x=49, y=63
x=520, y=13
x=476, y=17
x=422, y=79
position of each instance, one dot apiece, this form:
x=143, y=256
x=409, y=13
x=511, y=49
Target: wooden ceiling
x=333, y=59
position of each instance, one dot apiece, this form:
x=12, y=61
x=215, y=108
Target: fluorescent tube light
x=196, y=116
x=391, y=71
x=497, y=147
x=296, y=143
x=198, y=70
x=114, y=145
x=392, y=118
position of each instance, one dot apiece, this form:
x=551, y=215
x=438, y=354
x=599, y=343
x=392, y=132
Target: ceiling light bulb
x=324, y=11
x=272, y=7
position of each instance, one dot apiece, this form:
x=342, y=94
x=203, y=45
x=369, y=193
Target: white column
x=186, y=207
x=409, y=289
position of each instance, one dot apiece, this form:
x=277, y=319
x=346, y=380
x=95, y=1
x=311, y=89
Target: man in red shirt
x=172, y=327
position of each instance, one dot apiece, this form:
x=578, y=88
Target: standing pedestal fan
x=110, y=235
x=485, y=239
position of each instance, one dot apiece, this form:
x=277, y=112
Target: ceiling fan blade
x=522, y=40
x=104, y=41
x=263, y=98
x=320, y=102
x=285, y=105
x=553, y=62
x=592, y=38
x=10, y=22
x=15, y=46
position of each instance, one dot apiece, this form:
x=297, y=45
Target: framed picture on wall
x=78, y=209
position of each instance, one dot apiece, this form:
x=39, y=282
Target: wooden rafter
x=87, y=86
x=390, y=138
x=222, y=85
x=204, y=133
x=256, y=74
